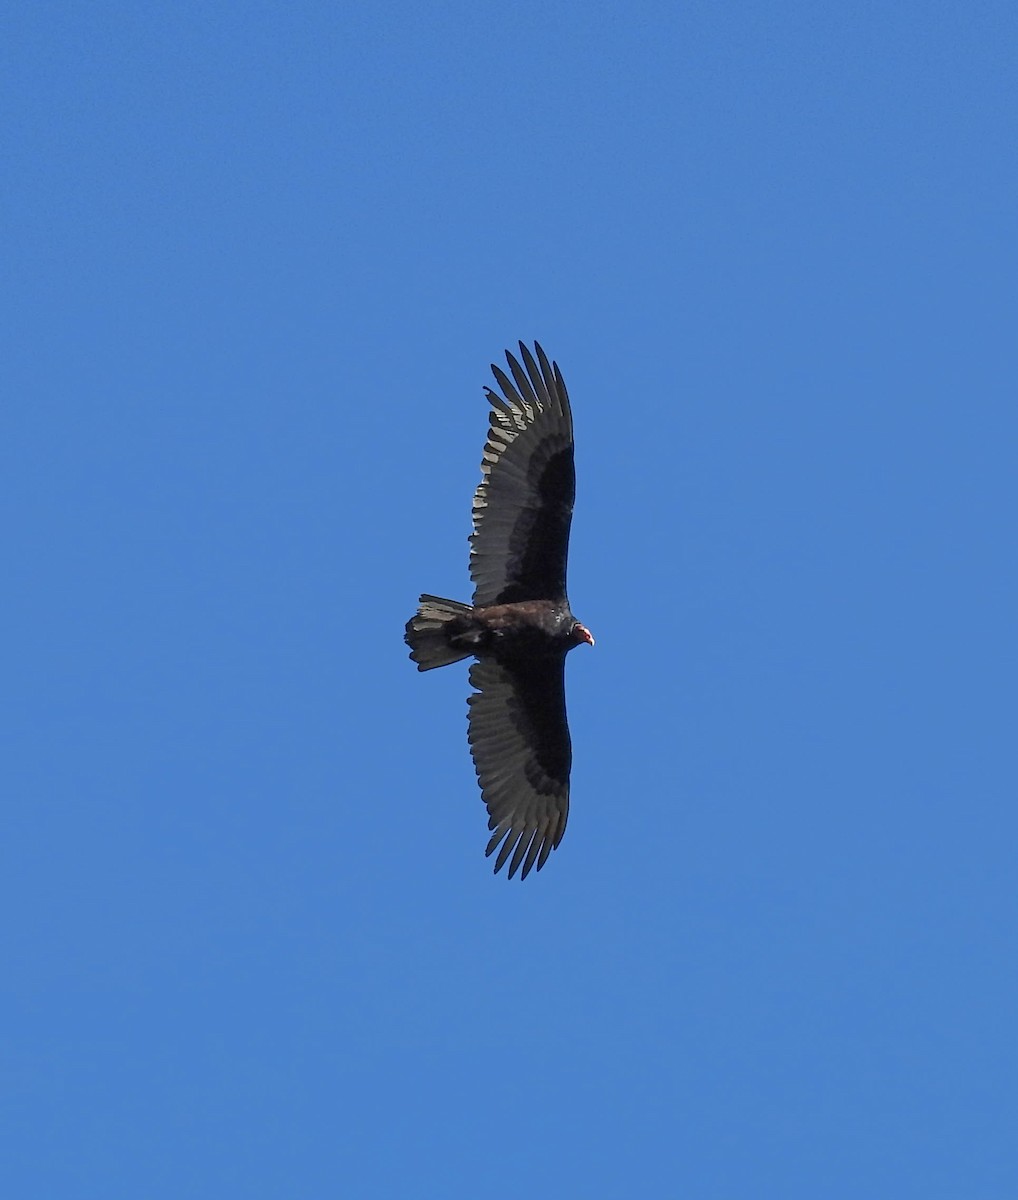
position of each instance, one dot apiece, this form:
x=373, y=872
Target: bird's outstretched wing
x=519, y=739
x=523, y=505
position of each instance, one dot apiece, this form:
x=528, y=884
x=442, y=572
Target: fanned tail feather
x=428, y=632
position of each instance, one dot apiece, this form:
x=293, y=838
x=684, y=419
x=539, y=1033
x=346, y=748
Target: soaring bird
x=520, y=626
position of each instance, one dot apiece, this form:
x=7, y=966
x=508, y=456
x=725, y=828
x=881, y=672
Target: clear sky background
x=256, y=260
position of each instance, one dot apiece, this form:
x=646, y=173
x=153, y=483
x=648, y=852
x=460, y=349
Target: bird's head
x=582, y=634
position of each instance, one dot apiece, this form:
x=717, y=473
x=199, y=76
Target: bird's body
x=520, y=626
x=508, y=632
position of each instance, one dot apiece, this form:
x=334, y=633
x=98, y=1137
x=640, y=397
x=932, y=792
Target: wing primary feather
x=524, y=385
x=546, y=849
x=546, y=370
x=511, y=394
x=554, y=381
x=560, y=386
x=536, y=378
x=560, y=829
x=525, y=851
x=508, y=846
x=498, y=402
x=501, y=828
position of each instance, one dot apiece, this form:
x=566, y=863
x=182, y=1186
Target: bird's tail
x=428, y=632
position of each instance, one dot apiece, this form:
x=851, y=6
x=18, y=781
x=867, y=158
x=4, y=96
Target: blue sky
x=257, y=259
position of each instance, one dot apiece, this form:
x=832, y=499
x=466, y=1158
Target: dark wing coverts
x=520, y=743
x=524, y=504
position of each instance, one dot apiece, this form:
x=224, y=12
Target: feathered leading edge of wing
x=524, y=503
x=519, y=740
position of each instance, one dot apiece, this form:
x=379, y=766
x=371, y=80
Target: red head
x=582, y=634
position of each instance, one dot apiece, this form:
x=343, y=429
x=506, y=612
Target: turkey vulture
x=519, y=627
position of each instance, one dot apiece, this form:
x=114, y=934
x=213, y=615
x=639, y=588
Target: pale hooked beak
x=583, y=634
